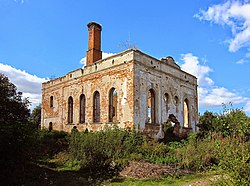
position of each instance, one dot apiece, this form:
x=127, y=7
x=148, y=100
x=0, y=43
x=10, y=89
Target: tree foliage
x=35, y=116
x=232, y=122
x=17, y=134
x=12, y=107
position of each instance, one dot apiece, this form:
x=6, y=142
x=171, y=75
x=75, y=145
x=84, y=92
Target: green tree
x=12, y=107
x=35, y=117
x=232, y=122
x=16, y=132
x=207, y=123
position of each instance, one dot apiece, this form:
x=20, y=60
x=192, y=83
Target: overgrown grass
x=227, y=155
x=116, y=147
x=103, y=149
x=106, y=152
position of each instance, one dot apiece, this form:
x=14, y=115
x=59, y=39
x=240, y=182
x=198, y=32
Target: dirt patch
x=144, y=169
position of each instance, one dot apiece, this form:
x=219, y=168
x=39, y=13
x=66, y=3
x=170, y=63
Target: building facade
x=130, y=89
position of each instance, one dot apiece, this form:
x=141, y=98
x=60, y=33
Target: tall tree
x=16, y=132
x=12, y=107
x=35, y=117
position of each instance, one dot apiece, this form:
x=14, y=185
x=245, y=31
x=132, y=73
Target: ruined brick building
x=130, y=89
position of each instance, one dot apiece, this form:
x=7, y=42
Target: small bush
x=50, y=143
x=155, y=152
x=197, y=154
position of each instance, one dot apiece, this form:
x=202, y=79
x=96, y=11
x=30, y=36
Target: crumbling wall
x=163, y=78
x=116, y=72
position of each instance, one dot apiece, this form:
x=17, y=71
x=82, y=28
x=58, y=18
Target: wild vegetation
x=31, y=156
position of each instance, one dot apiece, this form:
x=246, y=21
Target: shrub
x=197, y=154
x=50, y=143
x=103, y=148
x=155, y=152
x=232, y=122
x=234, y=157
x=116, y=147
x=207, y=124
x=228, y=154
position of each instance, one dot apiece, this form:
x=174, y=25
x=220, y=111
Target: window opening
x=186, y=113
x=70, y=110
x=166, y=99
x=151, y=106
x=50, y=126
x=82, y=108
x=113, y=105
x=176, y=102
x=51, y=101
x=96, y=107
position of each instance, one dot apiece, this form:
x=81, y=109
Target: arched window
x=50, y=126
x=51, y=101
x=70, y=110
x=151, y=106
x=166, y=100
x=112, y=105
x=186, y=113
x=82, y=108
x=96, y=107
x=176, y=102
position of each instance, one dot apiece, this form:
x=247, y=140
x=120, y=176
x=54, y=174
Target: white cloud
x=210, y=96
x=216, y=96
x=83, y=61
x=235, y=14
x=104, y=55
x=29, y=84
x=192, y=66
x=247, y=55
x=247, y=107
x=19, y=1
x=241, y=61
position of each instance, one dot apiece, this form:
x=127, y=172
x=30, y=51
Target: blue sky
x=210, y=39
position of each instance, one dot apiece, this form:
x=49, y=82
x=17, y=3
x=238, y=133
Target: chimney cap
x=94, y=24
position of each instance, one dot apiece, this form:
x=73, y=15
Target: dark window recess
x=82, y=108
x=112, y=105
x=70, y=110
x=96, y=107
x=51, y=100
x=50, y=126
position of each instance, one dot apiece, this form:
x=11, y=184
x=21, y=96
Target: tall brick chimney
x=94, y=52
